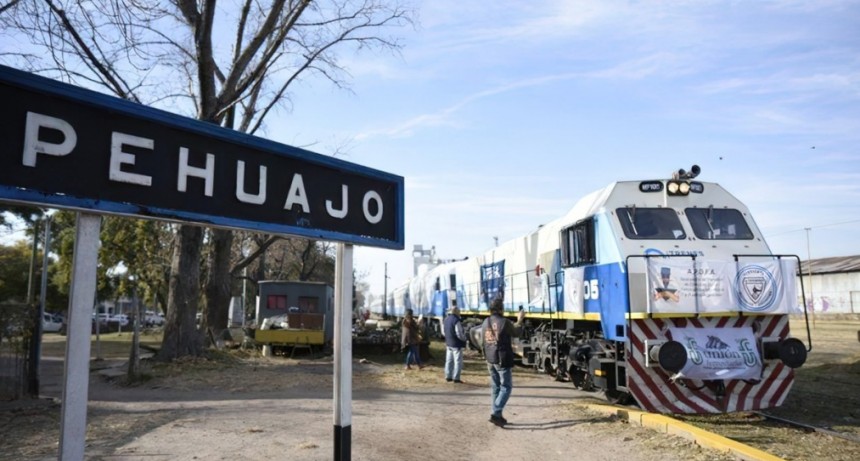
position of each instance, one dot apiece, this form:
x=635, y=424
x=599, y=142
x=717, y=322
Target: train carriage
x=659, y=291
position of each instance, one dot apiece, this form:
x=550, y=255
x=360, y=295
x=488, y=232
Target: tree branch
x=8, y=5
x=92, y=60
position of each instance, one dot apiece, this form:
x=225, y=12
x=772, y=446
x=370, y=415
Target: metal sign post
x=76, y=376
x=343, y=353
x=71, y=148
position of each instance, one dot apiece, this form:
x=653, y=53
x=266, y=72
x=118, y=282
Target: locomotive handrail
x=802, y=289
x=513, y=293
x=693, y=257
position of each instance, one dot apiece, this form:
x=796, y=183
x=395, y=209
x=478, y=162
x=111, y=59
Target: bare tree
x=229, y=64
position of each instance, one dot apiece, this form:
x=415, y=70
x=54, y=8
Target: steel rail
x=809, y=427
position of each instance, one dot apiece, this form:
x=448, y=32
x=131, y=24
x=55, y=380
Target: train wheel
x=547, y=368
x=580, y=379
x=617, y=397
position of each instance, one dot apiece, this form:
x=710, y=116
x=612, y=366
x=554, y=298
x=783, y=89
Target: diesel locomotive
x=661, y=292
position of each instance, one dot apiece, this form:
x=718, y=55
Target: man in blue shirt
x=455, y=341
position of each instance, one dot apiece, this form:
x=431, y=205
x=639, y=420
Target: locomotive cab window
x=577, y=244
x=719, y=224
x=650, y=223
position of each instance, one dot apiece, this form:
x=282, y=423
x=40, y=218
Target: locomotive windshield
x=650, y=223
x=718, y=224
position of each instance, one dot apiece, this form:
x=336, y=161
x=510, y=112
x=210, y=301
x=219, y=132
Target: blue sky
x=500, y=115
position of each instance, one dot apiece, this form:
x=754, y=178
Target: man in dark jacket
x=497, y=332
x=455, y=341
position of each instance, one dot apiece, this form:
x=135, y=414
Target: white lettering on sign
x=33, y=145
x=244, y=196
x=118, y=157
x=297, y=194
x=371, y=195
x=122, y=161
x=186, y=170
x=339, y=214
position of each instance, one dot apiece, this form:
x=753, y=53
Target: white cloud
x=445, y=116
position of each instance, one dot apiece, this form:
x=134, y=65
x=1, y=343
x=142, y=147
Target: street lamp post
x=134, y=358
x=809, y=271
x=385, y=294
x=246, y=250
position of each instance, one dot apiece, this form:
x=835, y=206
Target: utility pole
x=385, y=294
x=35, y=312
x=809, y=271
x=246, y=250
x=134, y=358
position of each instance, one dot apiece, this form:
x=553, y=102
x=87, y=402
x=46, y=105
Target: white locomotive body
x=663, y=291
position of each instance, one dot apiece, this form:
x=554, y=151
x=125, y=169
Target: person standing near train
x=409, y=341
x=498, y=351
x=455, y=341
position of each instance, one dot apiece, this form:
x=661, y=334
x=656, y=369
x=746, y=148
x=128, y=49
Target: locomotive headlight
x=675, y=187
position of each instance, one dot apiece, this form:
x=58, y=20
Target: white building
x=834, y=286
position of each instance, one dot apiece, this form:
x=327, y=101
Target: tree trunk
x=181, y=336
x=219, y=282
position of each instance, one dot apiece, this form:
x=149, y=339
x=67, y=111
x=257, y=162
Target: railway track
x=751, y=435
x=809, y=427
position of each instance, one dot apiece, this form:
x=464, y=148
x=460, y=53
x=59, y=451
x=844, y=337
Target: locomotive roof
x=628, y=193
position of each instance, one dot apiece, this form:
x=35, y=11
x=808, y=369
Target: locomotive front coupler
x=717, y=386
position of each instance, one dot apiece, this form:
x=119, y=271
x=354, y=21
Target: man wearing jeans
x=497, y=333
x=455, y=341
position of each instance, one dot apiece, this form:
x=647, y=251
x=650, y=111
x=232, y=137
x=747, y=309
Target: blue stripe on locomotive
x=611, y=302
x=439, y=305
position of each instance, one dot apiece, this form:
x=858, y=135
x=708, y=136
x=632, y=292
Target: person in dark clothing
x=497, y=332
x=409, y=341
x=455, y=341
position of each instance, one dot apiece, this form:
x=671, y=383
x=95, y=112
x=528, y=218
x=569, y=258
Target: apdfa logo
x=756, y=288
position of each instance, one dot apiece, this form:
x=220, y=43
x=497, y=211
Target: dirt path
x=432, y=420
x=254, y=408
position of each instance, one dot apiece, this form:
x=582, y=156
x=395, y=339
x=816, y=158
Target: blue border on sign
x=28, y=81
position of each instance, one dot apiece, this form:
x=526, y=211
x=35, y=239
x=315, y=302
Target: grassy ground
x=105, y=346
x=826, y=391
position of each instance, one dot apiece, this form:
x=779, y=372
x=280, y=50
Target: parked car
x=51, y=324
x=153, y=319
x=120, y=319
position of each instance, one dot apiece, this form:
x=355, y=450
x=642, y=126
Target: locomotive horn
x=684, y=174
x=694, y=171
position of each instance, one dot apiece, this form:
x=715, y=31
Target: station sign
x=67, y=147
